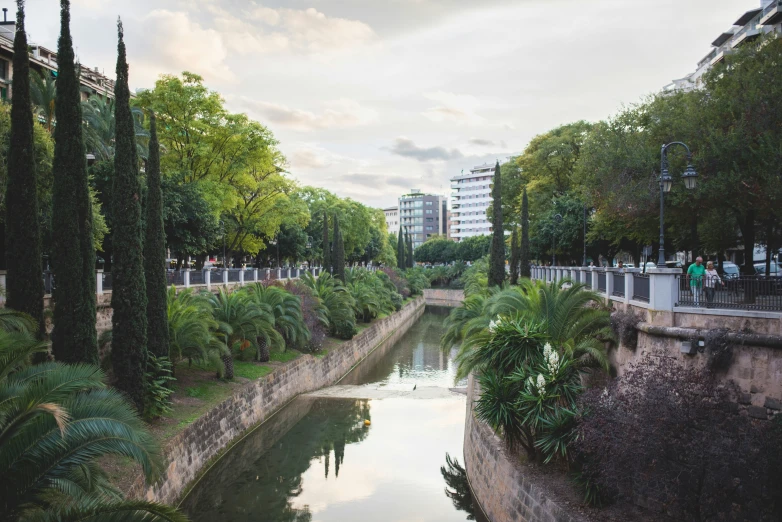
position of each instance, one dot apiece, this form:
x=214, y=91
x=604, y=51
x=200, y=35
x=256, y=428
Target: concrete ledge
x=198, y=445
x=758, y=314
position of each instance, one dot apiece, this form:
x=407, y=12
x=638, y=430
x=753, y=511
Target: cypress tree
x=128, y=297
x=524, y=247
x=155, y=252
x=514, y=257
x=24, y=286
x=497, y=252
x=410, y=262
x=339, y=252
x=400, y=250
x=326, y=246
x=73, y=253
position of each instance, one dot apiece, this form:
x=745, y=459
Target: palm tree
x=288, y=318
x=338, y=302
x=99, y=127
x=190, y=330
x=43, y=91
x=56, y=420
x=240, y=323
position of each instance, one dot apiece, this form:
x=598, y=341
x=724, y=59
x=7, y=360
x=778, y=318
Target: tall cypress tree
x=514, y=257
x=128, y=297
x=410, y=262
x=155, y=252
x=400, y=250
x=326, y=246
x=524, y=247
x=73, y=253
x=24, y=286
x=339, y=252
x=497, y=252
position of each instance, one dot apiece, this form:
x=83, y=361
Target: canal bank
x=193, y=450
x=319, y=459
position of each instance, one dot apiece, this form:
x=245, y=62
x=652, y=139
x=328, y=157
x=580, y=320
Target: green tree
x=43, y=92
x=24, y=288
x=409, y=259
x=325, y=245
x=73, y=252
x=524, y=257
x=339, y=252
x=400, y=249
x=128, y=297
x=497, y=254
x=155, y=252
x=100, y=127
x=473, y=248
x=514, y=256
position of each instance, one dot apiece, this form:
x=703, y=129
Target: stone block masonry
x=189, y=452
x=498, y=484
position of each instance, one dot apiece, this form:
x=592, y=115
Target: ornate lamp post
x=666, y=181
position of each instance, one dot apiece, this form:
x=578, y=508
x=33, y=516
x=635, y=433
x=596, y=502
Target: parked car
x=730, y=271
x=760, y=269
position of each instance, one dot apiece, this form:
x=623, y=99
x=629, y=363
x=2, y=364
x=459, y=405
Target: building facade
x=423, y=215
x=44, y=61
x=392, y=219
x=470, y=198
x=766, y=19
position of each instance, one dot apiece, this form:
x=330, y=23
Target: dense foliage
x=443, y=251
x=496, y=273
x=672, y=437
x=24, y=287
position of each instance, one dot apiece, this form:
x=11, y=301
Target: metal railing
x=740, y=293
x=233, y=275
x=197, y=277
x=619, y=284
x=175, y=277
x=770, y=7
x=601, y=281
x=641, y=289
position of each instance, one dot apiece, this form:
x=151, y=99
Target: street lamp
x=557, y=219
x=666, y=181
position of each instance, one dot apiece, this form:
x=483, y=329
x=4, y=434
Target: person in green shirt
x=695, y=275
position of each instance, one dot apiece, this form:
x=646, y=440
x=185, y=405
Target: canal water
x=316, y=460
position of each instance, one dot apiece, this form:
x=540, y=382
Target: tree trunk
x=263, y=350
x=747, y=226
x=228, y=362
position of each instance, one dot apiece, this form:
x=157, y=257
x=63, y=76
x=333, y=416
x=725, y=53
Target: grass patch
x=287, y=355
x=321, y=353
x=204, y=391
x=250, y=370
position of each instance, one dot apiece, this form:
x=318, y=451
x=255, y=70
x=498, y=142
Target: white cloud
x=458, y=108
x=336, y=114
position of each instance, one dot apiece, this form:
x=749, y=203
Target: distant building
x=766, y=19
x=470, y=198
x=423, y=215
x=44, y=61
x=448, y=219
x=392, y=219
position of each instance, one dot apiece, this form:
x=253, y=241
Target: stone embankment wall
x=755, y=368
x=443, y=297
x=498, y=483
x=188, y=452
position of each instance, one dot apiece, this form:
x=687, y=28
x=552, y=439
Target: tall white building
x=469, y=200
x=392, y=219
x=766, y=19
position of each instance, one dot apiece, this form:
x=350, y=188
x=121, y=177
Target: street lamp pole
x=557, y=220
x=584, y=261
x=666, y=181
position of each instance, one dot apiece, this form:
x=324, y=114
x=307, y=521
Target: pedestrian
x=710, y=281
x=695, y=274
x=620, y=265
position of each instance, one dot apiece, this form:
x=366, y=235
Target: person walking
x=710, y=281
x=695, y=274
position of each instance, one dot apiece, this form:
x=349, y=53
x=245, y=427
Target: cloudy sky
x=370, y=98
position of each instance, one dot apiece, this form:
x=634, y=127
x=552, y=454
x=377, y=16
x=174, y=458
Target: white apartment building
x=469, y=200
x=766, y=19
x=392, y=219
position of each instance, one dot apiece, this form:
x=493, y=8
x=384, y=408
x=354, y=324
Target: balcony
x=746, y=34
x=720, y=56
x=721, y=39
x=746, y=17
x=772, y=14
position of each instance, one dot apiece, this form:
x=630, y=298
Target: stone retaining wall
x=193, y=448
x=498, y=484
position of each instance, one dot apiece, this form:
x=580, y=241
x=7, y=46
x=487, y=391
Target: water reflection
x=458, y=489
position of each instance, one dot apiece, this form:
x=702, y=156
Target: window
x=3, y=71
x=430, y=211
x=429, y=220
x=3, y=93
x=429, y=203
x=429, y=228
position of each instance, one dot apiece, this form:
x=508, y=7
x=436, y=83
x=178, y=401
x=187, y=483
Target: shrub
x=313, y=314
x=398, y=281
x=157, y=388
x=670, y=439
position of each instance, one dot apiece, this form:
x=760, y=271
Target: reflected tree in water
x=457, y=486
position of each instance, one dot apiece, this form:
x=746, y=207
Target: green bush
x=157, y=387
